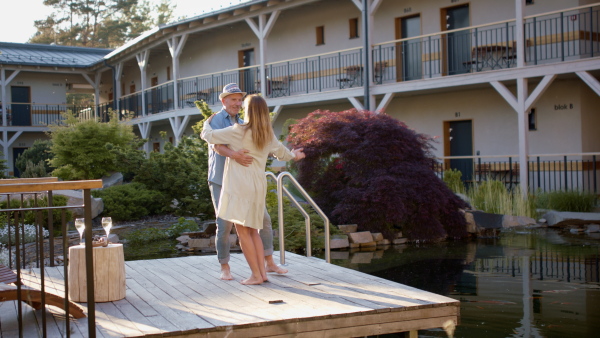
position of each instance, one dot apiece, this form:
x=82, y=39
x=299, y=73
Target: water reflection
x=525, y=284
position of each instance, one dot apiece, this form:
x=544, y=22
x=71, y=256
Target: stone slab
x=339, y=242
x=368, y=245
x=348, y=228
x=488, y=221
x=398, y=241
x=377, y=236
x=509, y=221
x=360, y=237
x=561, y=218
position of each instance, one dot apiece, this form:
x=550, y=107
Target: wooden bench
x=31, y=296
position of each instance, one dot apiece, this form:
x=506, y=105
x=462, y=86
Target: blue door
x=411, y=49
x=461, y=144
x=459, y=43
x=20, y=107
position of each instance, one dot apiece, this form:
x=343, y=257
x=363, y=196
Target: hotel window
x=532, y=120
x=353, y=24
x=168, y=73
x=320, y=35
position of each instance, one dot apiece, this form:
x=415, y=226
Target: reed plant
x=493, y=197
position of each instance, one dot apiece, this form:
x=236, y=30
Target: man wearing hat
x=232, y=98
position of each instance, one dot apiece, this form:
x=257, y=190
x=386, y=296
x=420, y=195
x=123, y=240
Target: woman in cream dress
x=245, y=188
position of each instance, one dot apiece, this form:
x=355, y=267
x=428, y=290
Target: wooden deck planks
x=185, y=297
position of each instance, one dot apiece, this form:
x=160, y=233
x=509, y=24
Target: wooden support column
x=356, y=104
x=4, y=82
x=145, y=128
x=520, y=32
x=522, y=104
x=385, y=102
x=142, y=60
x=6, y=143
x=176, y=44
x=277, y=111
x=367, y=32
x=178, y=124
x=262, y=31
x=590, y=81
x=117, y=91
x=522, y=92
x=96, y=85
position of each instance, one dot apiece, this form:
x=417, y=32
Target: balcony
x=549, y=38
x=43, y=115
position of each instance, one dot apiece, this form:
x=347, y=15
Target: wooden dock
x=184, y=297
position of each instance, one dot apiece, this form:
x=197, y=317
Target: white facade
x=558, y=73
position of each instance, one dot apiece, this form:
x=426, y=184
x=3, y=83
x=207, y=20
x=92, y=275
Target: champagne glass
x=107, y=224
x=80, y=226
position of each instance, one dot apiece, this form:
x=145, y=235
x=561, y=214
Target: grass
x=572, y=200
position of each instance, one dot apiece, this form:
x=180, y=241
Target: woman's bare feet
x=276, y=268
x=226, y=272
x=252, y=281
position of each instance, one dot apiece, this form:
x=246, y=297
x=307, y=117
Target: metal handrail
x=302, y=211
x=312, y=203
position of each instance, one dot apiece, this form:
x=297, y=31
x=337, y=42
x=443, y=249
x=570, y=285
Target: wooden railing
x=32, y=200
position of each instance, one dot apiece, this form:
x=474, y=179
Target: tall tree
x=99, y=23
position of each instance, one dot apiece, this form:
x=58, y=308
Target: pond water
x=527, y=283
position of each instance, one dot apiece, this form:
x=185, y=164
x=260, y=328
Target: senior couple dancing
x=237, y=159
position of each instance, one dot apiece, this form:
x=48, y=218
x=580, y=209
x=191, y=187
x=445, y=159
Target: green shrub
x=182, y=226
x=453, y=181
x=576, y=201
x=38, y=152
x=33, y=170
x=84, y=149
x=132, y=201
x=493, y=197
x=3, y=166
x=180, y=173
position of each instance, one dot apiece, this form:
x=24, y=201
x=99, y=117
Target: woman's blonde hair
x=258, y=120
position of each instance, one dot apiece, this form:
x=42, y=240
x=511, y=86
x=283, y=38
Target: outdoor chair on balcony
x=353, y=76
x=379, y=70
x=281, y=87
x=31, y=296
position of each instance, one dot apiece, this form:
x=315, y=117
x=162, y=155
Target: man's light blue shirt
x=216, y=162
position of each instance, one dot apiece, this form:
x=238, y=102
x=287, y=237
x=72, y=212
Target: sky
x=18, y=16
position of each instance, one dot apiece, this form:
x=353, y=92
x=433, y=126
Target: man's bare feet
x=252, y=281
x=276, y=268
x=226, y=272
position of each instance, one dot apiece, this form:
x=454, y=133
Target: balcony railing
x=550, y=37
x=208, y=87
x=42, y=115
x=545, y=172
x=28, y=213
x=160, y=98
x=131, y=104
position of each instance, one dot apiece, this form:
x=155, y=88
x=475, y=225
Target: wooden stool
x=109, y=273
